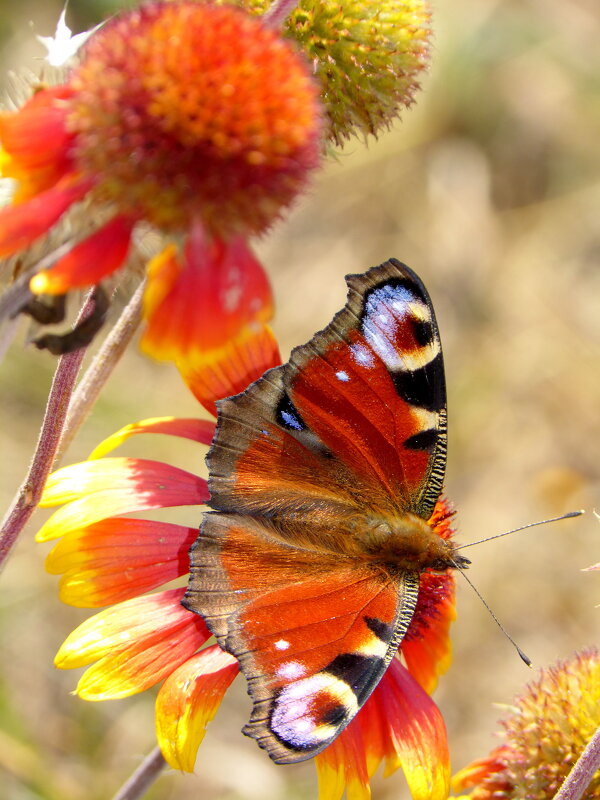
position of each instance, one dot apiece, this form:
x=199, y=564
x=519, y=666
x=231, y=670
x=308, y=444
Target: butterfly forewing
x=372, y=385
x=356, y=418
x=311, y=470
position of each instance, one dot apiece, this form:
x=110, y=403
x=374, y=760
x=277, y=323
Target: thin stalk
x=582, y=773
x=101, y=367
x=13, y=298
x=30, y=491
x=143, y=778
x=7, y=335
x=277, y=13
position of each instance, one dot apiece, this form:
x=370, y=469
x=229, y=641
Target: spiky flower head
x=550, y=725
x=368, y=57
x=193, y=110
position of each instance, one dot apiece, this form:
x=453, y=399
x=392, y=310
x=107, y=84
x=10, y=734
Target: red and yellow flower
x=187, y=116
x=369, y=57
x=548, y=729
x=144, y=636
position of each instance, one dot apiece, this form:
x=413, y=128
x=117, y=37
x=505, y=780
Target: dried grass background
x=490, y=189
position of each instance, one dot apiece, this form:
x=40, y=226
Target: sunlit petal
x=416, y=734
x=88, y=262
x=399, y=725
x=36, y=143
x=119, y=558
x=233, y=367
x=187, y=702
x=342, y=767
x=21, y=225
x=94, y=490
x=429, y=654
x=208, y=312
x=198, y=430
x=483, y=768
x=208, y=297
x=138, y=643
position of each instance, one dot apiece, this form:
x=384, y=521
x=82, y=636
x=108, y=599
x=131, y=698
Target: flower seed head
x=189, y=110
x=368, y=57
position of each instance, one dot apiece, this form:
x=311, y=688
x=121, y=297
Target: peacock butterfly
x=323, y=475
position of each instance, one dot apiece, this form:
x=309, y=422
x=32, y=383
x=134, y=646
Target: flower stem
x=8, y=334
x=15, y=297
x=144, y=776
x=103, y=363
x=278, y=12
x=582, y=773
x=31, y=489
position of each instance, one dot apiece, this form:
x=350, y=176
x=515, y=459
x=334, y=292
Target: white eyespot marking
x=291, y=670
x=362, y=355
x=387, y=310
x=398, y=298
x=383, y=344
x=342, y=376
x=281, y=644
x=293, y=718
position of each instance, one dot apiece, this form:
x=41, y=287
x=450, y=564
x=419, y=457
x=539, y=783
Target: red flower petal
x=198, y=430
x=95, y=490
x=89, y=261
x=119, y=558
x=36, y=142
x=488, y=776
x=428, y=654
x=139, y=643
x=399, y=724
x=188, y=700
x=22, y=224
x=237, y=364
x=208, y=313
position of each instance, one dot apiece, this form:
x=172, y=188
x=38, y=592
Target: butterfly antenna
x=522, y=528
x=522, y=655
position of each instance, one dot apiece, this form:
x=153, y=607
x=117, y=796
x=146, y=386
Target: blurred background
x=490, y=189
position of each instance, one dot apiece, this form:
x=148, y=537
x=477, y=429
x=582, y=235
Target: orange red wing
x=313, y=635
x=357, y=418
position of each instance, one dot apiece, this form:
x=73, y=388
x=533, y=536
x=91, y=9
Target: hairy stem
x=13, y=298
x=31, y=489
x=144, y=776
x=582, y=773
x=7, y=335
x=278, y=12
x=103, y=363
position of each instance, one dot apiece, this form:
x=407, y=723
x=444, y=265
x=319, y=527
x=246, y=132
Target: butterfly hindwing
x=313, y=636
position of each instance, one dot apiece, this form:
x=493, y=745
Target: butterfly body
x=323, y=477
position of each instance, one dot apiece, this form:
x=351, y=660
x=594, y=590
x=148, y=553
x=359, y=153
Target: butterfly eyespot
x=422, y=331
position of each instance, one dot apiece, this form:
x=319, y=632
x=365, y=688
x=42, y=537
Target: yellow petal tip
x=40, y=283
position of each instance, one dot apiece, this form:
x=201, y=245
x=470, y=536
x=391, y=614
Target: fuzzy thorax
x=409, y=543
